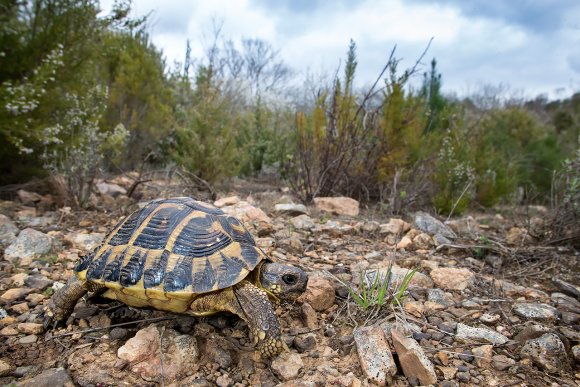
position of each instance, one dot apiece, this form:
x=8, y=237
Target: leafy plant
x=381, y=290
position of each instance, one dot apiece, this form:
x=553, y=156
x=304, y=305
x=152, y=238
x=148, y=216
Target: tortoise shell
x=173, y=246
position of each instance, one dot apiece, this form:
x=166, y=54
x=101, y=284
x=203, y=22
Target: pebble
x=304, y=343
x=547, y=351
x=374, y=354
x=51, y=377
x=118, y=333
x=541, y=312
x=30, y=328
x=413, y=360
x=287, y=366
x=30, y=339
x=465, y=332
x=5, y=368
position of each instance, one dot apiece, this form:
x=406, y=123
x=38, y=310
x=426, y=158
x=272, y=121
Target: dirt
x=320, y=339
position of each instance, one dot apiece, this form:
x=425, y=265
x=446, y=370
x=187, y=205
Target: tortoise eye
x=289, y=279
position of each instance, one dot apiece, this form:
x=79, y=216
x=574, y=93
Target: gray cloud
x=535, y=16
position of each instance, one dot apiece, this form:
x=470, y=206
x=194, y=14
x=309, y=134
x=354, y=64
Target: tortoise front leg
x=63, y=302
x=252, y=305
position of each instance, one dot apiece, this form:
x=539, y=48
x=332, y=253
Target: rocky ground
x=487, y=305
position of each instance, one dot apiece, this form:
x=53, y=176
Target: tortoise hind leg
x=62, y=303
x=251, y=304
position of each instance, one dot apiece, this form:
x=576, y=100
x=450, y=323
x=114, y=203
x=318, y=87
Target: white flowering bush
x=454, y=176
x=20, y=99
x=75, y=148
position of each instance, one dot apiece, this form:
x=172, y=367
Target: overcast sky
x=531, y=45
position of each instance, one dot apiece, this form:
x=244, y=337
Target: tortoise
x=184, y=256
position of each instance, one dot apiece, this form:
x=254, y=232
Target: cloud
x=532, y=45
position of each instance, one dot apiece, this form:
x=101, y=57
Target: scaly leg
x=63, y=302
x=251, y=304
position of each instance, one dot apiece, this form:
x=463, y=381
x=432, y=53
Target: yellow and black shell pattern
x=173, y=246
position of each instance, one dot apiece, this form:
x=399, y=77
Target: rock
x=452, y=278
x=302, y=222
x=38, y=282
x=465, y=332
x=287, y=366
x=514, y=291
x=489, y=319
x=143, y=352
x=15, y=294
x=113, y=190
x=568, y=288
x=319, y=293
x=517, y=236
x=464, y=226
x=5, y=368
x=531, y=332
x=220, y=356
x=483, y=355
x=8, y=331
x=576, y=352
x=227, y=201
x=547, y=351
x=30, y=339
x=335, y=228
x=405, y=243
x=540, y=312
x=394, y=227
x=41, y=222
x=292, y=245
x=118, y=333
x=305, y=342
x=290, y=209
x=85, y=242
x=370, y=227
x=30, y=328
x=448, y=372
x=374, y=354
x=432, y=226
x=440, y=297
x=338, y=205
x=247, y=213
x=18, y=279
x=8, y=230
x=49, y=378
x=565, y=303
x=28, y=245
x=309, y=316
x=224, y=381
x=20, y=308
x=28, y=198
x=502, y=362
x=413, y=360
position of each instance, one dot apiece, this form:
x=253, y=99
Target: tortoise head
x=284, y=281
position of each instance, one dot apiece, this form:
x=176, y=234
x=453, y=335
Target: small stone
x=118, y=333
x=566, y=287
x=413, y=360
x=28, y=245
x=224, y=381
x=440, y=297
x=8, y=230
x=502, y=362
x=302, y=222
x=374, y=354
x=100, y=321
x=20, y=308
x=85, y=242
x=35, y=298
x=432, y=226
x=9, y=331
x=309, y=316
x=576, y=352
x=465, y=332
x=15, y=294
x=489, y=319
x=38, y=282
x=338, y=205
x=220, y=356
x=319, y=293
x=547, y=351
x=535, y=311
x=111, y=189
x=51, y=377
x=394, y=227
x=30, y=339
x=227, y=201
x=290, y=209
x=463, y=377
x=287, y=366
x=5, y=368
x=483, y=355
x=518, y=236
x=452, y=278
x=304, y=343
x=448, y=372
x=30, y=328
